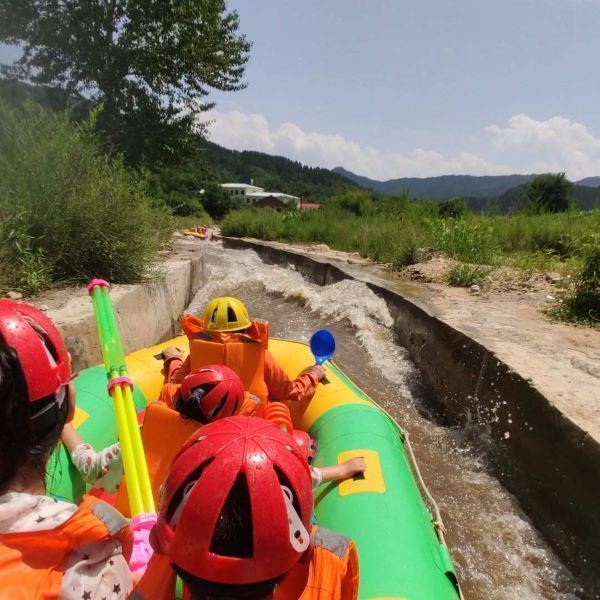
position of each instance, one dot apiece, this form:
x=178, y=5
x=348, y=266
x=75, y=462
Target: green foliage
x=469, y=241
x=454, y=208
x=465, y=275
x=356, y=202
x=550, y=193
x=583, y=304
x=217, y=202
x=151, y=64
x=68, y=212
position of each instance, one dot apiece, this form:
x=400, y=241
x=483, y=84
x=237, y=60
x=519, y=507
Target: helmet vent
x=285, y=482
x=49, y=347
x=185, y=489
x=231, y=316
x=219, y=407
x=233, y=532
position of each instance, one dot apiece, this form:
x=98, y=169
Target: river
x=498, y=553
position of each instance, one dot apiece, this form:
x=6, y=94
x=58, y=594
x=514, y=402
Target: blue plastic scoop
x=322, y=345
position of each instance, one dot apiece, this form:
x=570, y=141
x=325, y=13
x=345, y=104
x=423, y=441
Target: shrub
x=358, y=203
x=550, y=193
x=454, y=208
x=465, y=275
x=583, y=304
x=67, y=211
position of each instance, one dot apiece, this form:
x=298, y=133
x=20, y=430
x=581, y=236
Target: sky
x=392, y=88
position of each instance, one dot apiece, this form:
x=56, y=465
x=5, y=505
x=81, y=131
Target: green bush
x=465, y=275
x=454, y=208
x=583, y=304
x=358, y=203
x=67, y=211
x=550, y=193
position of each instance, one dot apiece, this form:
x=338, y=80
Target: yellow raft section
x=146, y=369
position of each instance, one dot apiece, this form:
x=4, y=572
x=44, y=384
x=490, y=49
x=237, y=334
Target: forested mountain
x=589, y=181
x=17, y=92
x=442, y=187
x=274, y=173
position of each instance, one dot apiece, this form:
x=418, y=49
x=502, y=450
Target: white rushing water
x=498, y=553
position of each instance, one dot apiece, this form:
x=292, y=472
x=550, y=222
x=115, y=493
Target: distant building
x=241, y=190
x=309, y=205
x=285, y=199
x=256, y=196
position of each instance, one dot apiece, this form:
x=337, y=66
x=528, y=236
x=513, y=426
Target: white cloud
x=530, y=146
x=557, y=144
x=242, y=131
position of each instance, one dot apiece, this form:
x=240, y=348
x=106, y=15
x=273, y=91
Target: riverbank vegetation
x=69, y=212
x=400, y=231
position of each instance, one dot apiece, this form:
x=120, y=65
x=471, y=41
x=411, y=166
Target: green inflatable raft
x=401, y=552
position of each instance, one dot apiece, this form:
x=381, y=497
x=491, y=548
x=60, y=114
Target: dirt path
x=562, y=361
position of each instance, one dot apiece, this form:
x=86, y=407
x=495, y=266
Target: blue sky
x=390, y=88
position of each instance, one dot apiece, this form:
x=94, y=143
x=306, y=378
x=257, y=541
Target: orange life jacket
x=329, y=572
x=242, y=352
x=164, y=431
x=32, y=564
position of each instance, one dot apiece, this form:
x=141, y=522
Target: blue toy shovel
x=322, y=345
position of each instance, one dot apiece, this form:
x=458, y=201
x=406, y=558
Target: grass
x=397, y=231
x=68, y=212
x=465, y=275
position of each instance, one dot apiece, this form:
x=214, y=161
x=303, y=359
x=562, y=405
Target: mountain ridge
x=443, y=187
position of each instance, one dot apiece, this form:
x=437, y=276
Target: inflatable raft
x=197, y=234
x=401, y=554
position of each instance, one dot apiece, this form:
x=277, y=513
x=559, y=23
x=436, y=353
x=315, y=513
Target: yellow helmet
x=226, y=314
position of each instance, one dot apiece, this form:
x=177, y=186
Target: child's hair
x=23, y=440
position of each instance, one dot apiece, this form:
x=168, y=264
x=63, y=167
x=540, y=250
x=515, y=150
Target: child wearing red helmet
x=234, y=522
x=48, y=548
x=206, y=394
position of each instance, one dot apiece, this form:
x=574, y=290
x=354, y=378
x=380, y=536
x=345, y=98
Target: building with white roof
x=256, y=196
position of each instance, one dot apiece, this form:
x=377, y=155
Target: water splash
x=499, y=555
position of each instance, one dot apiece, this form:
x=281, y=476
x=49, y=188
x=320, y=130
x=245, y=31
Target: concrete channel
x=548, y=462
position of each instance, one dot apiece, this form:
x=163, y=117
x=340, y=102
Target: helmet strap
x=299, y=537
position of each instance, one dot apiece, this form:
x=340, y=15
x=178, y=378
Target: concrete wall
x=551, y=465
x=148, y=313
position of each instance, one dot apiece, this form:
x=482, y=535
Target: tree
x=151, y=63
x=217, y=203
x=550, y=193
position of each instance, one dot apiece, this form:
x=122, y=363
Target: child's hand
x=172, y=352
x=353, y=466
x=318, y=372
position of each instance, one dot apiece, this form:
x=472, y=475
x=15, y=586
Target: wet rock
x=553, y=277
x=14, y=295
x=475, y=289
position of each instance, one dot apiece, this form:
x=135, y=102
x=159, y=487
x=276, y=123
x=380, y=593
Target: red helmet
x=211, y=393
x=307, y=445
x=237, y=503
x=39, y=346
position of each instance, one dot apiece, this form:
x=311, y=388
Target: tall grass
x=396, y=234
x=68, y=212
